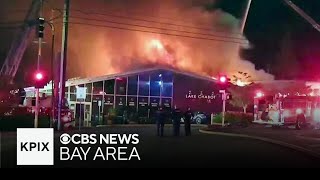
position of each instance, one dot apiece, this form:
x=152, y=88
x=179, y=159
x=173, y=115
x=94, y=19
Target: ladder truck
x=13, y=60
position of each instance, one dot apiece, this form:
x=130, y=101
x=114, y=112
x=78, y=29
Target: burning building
x=138, y=94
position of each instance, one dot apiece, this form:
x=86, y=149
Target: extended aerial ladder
x=303, y=14
x=20, y=43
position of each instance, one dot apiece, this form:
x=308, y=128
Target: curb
x=268, y=140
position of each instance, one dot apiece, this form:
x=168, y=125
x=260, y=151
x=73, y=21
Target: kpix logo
x=35, y=146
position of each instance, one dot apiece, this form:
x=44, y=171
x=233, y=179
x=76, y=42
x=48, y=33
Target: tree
x=242, y=96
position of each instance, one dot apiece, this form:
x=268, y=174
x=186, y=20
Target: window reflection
x=109, y=86
x=144, y=85
x=133, y=85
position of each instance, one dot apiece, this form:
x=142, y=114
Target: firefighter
x=187, y=121
x=176, y=118
x=160, y=118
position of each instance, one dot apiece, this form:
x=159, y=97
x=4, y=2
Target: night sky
x=283, y=43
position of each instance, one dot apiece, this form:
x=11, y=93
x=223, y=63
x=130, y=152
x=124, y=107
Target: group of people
x=176, y=115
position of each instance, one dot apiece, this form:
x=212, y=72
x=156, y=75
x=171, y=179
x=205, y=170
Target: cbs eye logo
x=65, y=139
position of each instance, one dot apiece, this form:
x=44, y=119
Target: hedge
x=234, y=119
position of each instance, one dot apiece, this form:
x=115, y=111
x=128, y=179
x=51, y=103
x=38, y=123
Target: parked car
x=198, y=118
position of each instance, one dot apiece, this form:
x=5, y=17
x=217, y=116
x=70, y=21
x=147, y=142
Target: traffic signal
x=229, y=96
x=39, y=80
x=223, y=79
x=41, y=27
x=259, y=95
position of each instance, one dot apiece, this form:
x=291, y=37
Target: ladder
x=20, y=43
x=303, y=14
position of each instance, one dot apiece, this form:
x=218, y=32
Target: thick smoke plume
x=95, y=51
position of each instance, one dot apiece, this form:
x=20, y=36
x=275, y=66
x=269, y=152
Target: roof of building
x=71, y=82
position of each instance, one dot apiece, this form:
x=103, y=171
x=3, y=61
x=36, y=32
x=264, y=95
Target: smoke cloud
x=96, y=51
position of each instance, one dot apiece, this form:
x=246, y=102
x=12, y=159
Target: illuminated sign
x=166, y=103
x=143, y=102
x=201, y=95
x=155, y=102
x=132, y=102
x=108, y=100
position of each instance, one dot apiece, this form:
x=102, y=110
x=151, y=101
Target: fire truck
x=286, y=110
x=45, y=107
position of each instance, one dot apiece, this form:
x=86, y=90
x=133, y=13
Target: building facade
x=137, y=95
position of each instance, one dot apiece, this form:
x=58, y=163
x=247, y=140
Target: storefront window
x=89, y=88
x=143, y=107
x=98, y=88
x=73, y=89
x=120, y=105
x=121, y=85
x=166, y=102
x=144, y=85
x=132, y=102
x=88, y=98
x=97, y=98
x=109, y=86
x=66, y=90
x=167, y=89
x=154, y=103
x=73, y=97
x=155, y=84
x=166, y=76
x=133, y=85
x=120, y=101
x=109, y=100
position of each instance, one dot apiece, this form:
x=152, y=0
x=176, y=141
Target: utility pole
x=224, y=99
x=63, y=62
x=51, y=23
x=36, y=116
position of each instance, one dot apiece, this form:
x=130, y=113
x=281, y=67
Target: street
x=199, y=150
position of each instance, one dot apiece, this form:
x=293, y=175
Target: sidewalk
x=305, y=139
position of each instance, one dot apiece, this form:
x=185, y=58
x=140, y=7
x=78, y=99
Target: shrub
x=217, y=118
x=235, y=119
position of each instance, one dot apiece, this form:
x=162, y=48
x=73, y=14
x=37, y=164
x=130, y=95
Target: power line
x=157, y=28
x=150, y=21
x=139, y=14
x=152, y=32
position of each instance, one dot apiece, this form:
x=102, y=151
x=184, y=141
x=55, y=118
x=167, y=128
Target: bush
x=218, y=118
x=235, y=119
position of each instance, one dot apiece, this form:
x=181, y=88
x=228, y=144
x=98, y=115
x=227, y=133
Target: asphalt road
x=198, y=150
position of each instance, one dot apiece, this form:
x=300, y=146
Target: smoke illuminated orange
x=96, y=51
